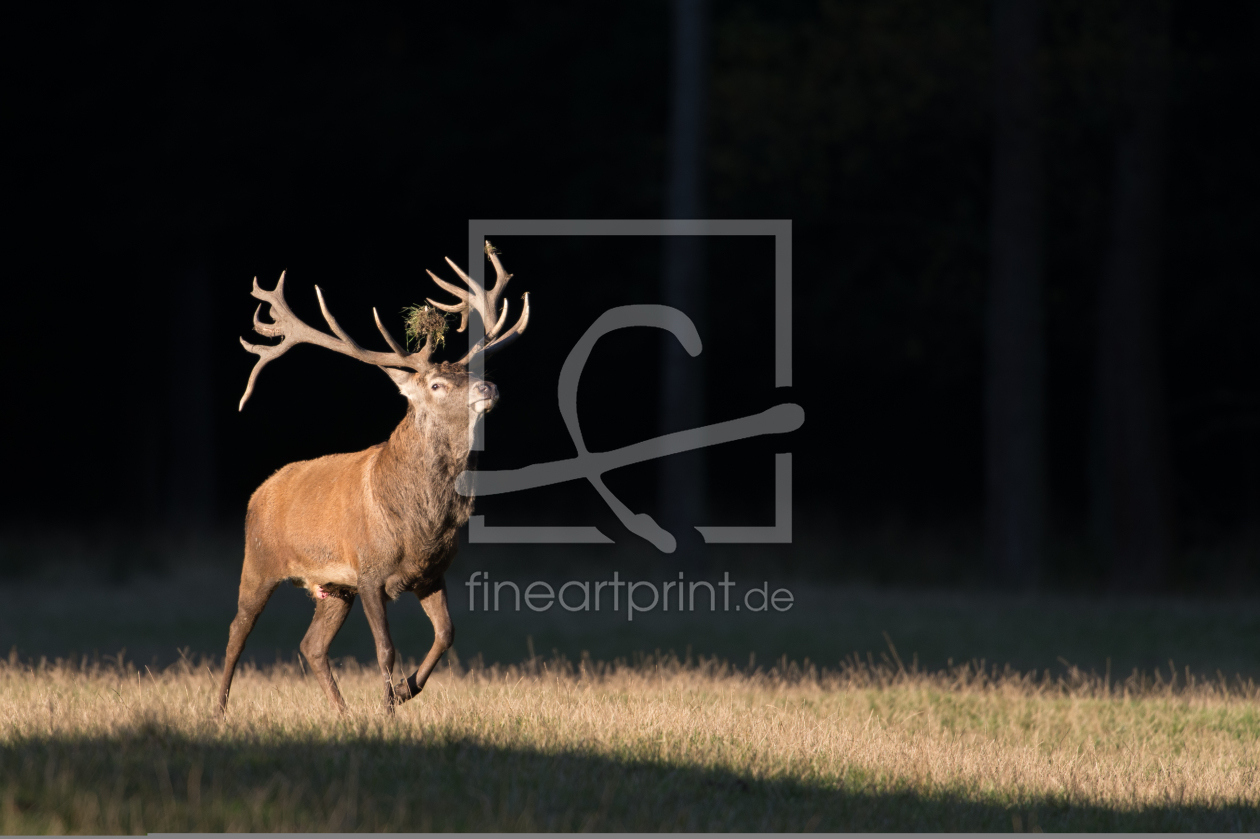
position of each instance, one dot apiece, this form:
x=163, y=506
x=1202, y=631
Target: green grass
x=93, y=747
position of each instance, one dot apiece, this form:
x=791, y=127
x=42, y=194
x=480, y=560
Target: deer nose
x=483, y=397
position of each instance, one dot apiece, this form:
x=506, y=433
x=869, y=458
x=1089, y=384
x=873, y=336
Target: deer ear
x=402, y=378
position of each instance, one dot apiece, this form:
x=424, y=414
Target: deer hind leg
x=374, y=608
x=435, y=607
x=330, y=614
x=255, y=592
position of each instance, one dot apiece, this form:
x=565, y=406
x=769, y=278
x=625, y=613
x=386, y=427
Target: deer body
x=372, y=524
x=389, y=514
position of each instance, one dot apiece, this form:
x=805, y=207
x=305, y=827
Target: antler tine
x=502, y=319
x=509, y=336
x=426, y=349
x=266, y=295
x=291, y=331
x=491, y=298
x=268, y=329
x=264, y=357
x=460, y=308
x=477, y=290
x=332, y=321
x=453, y=308
x=501, y=276
x=449, y=287
x=389, y=339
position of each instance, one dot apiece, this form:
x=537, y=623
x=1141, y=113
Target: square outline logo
x=781, y=229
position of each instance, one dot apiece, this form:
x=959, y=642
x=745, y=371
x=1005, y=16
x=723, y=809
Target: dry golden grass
x=108, y=749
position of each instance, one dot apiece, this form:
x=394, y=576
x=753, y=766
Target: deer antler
x=293, y=331
x=485, y=302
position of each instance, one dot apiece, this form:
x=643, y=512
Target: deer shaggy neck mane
x=412, y=482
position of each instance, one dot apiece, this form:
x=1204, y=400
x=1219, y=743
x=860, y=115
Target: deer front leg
x=374, y=606
x=435, y=607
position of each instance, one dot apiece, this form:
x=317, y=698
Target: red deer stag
x=378, y=522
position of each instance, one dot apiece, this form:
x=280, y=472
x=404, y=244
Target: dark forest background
x=1026, y=294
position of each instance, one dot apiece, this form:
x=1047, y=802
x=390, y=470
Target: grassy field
x=991, y=712
x=658, y=745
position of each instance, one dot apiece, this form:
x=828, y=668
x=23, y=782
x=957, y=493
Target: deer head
x=443, y=391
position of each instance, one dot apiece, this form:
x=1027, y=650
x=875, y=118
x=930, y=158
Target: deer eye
x=435, y=386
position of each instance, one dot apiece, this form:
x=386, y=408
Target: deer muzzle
x=482, y=397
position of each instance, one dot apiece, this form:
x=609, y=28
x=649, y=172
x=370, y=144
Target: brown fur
x=374, y=523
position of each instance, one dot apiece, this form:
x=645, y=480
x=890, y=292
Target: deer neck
x=413, y=478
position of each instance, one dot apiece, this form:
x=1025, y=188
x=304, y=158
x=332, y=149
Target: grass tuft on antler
x=424, y=322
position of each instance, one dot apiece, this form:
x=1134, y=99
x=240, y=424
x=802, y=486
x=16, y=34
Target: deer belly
x=335, y=575
x=332, y=581
x=325, y=578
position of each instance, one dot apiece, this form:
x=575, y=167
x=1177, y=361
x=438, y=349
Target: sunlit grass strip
x=92, y=747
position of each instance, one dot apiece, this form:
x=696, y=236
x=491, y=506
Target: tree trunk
x=1132, y=496
x=1015, y=363
x=682, y=489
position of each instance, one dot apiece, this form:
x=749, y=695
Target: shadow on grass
x=368, y=775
